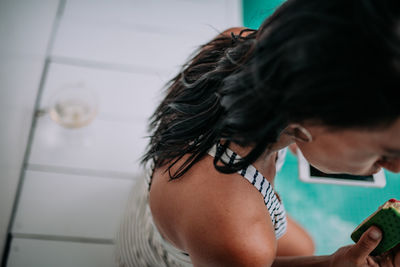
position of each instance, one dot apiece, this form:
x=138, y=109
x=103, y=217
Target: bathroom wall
x=75, y=181
x=25, y=34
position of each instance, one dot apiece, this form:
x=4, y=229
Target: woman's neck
x=266, y=163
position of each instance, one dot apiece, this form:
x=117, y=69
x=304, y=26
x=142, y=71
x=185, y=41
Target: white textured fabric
x=138, y=242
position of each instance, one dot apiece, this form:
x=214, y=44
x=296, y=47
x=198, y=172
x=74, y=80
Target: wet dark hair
x=334, y=63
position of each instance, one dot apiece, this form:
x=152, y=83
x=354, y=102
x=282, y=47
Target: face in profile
x=357, y=152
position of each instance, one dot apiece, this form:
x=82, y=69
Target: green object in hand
x=387, y=218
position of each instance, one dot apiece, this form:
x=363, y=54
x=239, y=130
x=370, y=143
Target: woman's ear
x=299, y=133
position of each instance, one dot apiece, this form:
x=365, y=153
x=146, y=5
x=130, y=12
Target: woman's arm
x=296, y=241
x=250, y=254
x=305, y=261
x=350, y=256
x=228, y=224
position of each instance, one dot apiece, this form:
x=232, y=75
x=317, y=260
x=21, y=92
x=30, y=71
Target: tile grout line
x=107, y=66
x=75, y=239
x=81, y=172
x=57, y=18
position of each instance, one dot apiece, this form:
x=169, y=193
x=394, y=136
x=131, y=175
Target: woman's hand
x=390, y=258
x=358, y=255
x=293, y=148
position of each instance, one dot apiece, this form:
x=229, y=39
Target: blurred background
x=78, y=80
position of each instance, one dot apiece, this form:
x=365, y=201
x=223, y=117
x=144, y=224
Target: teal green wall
x=330, y=212
x=255, y=11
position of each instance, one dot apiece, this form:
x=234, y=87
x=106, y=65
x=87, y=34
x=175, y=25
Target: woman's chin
x=375, y=171
x=327, y=171
x=368, y=173
x=350, y=172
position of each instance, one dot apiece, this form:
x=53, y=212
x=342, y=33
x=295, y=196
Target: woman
x=324, y=75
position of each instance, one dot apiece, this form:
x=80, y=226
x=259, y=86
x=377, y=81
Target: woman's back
x=204, y=198
x=206, y=214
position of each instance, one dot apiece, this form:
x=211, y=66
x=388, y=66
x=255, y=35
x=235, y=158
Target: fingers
x=367, y=243
x=397, y=257
x=390, y=258
x=372, y=262
x=386, y=260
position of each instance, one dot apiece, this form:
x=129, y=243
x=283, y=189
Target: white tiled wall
x=25, y=31
x=46, y=253
x=65, y=205
x=77, y=180
x=153, y=34
x=114, y=141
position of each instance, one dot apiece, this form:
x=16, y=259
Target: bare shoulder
x=234, y=30
x=222, y=219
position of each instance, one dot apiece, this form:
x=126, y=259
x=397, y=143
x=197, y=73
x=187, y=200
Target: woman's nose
x=392, y=165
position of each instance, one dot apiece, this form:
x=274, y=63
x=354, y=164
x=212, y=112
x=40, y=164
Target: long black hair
x=334, y=63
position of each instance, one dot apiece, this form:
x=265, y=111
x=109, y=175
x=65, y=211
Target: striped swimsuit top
x=272, y=202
